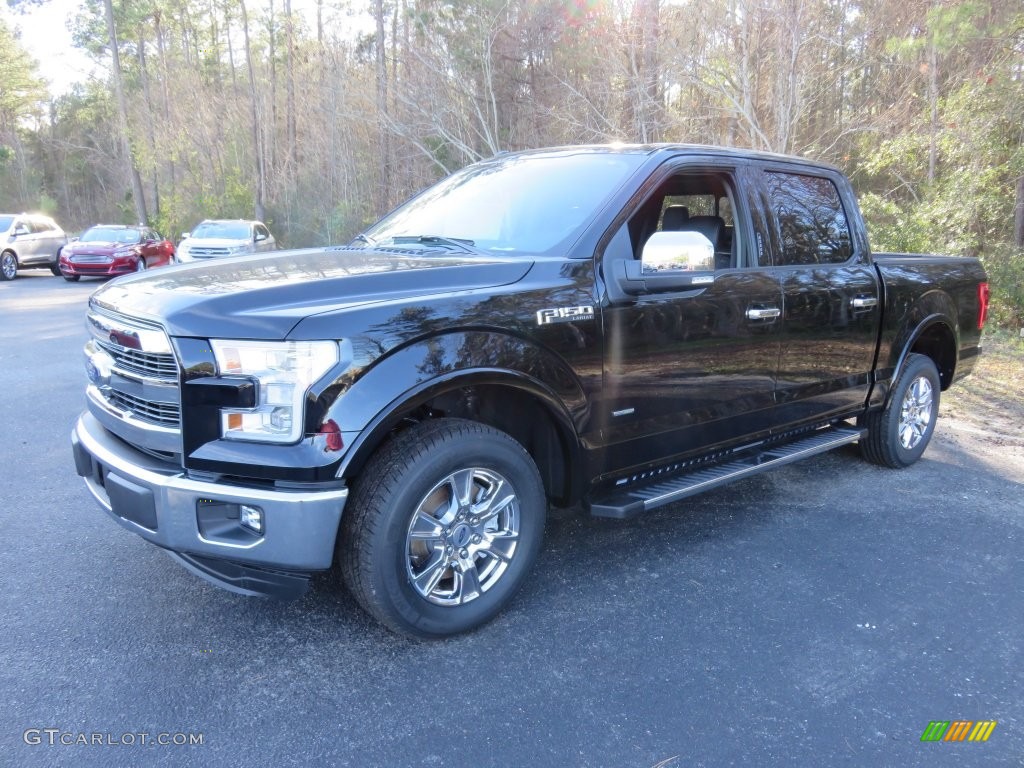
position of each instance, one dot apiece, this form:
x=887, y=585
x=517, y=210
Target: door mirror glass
x=678, y=251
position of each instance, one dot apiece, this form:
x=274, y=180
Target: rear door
x=690, y=369
x=831, y=296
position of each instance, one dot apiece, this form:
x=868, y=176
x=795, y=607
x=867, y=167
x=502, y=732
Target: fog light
x=251, y=517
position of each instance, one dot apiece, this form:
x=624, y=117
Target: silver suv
x=215, y=238
x=29, y=241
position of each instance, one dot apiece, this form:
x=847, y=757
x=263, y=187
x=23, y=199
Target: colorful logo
x=958, y=730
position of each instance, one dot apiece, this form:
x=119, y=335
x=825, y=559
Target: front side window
x=700, y=204
x=810, y=218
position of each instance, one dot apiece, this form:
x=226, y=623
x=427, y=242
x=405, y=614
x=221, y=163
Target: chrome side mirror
x=682, y=251
x=185, y=235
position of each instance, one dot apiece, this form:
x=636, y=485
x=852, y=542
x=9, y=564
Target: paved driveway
x=822, y=615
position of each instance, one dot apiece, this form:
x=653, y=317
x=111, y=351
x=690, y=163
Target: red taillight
x=333, y=433
x=982, y=304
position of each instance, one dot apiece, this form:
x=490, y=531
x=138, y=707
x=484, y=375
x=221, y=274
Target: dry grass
x=992, y=397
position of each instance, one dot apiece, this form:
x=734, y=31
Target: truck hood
x=264, y=297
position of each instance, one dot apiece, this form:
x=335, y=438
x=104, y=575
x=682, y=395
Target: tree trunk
x=122, y=108
x=384, y=193
x=257, y=147
x=1018, y=219
x=933, y=105
x=293, y=150
x=150, y=133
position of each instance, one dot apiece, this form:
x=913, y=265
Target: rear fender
x=933, y=317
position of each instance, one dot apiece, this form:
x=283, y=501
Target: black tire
x=55, y=269
x=141, y=266
x=899, y=434
x=8, y=265
x=72, y=278
x=380, y=557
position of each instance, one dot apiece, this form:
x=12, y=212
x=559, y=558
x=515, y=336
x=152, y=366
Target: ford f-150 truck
x=612, y=327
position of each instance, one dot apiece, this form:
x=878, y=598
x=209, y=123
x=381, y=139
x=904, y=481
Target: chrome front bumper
x=193, y=519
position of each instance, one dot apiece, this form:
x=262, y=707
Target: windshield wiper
x=364, y=238
x=452, y=242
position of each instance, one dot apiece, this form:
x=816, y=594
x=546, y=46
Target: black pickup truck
x=617, y=327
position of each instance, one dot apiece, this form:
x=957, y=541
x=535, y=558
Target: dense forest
x=318, y=119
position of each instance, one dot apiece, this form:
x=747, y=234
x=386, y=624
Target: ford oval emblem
x=98, y=366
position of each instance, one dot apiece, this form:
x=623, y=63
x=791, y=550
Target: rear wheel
x=899, y=434
x=442, y=528
x=141, y=265
x=8, y=265
x=55, y=269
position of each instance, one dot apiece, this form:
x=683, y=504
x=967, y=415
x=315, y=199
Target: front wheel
x=8, y=265
x=899, y=433
x=442, y=528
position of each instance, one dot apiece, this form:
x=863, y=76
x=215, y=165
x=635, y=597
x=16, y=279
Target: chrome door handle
x=766, y=313
x=864, y=302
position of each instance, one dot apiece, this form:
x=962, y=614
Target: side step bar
x=630, y=501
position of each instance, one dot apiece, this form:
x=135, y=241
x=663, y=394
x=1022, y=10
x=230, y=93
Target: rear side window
x=812, y=223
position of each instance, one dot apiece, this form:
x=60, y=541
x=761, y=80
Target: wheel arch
x=934, y=338
x=502, y=379
x=522, y=407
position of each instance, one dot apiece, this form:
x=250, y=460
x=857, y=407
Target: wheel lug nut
x=463, y=553
x=476, y=538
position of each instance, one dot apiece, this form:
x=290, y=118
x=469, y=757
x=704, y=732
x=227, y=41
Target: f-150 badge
x=564, y=315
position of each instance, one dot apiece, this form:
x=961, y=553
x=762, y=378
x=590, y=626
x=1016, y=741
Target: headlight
x=236, y=249
x=283, y=371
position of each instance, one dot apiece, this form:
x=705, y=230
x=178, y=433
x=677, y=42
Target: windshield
x=528, y=204
x=110, y=235
x=5, y=223
x=228, y=230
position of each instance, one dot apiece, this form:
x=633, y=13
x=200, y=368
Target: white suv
x=29, y=241
x=214, y=239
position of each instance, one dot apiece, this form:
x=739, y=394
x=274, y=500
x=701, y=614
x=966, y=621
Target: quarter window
x=812, y=224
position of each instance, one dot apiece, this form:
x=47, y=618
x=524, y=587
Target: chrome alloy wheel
x=916, y=412
x=9, y=265
x=462, y=536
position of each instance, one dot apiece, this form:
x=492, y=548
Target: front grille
x=208, y=253
x=154, y=411
x=143, y=385
x=152, y=364
x=89, y=258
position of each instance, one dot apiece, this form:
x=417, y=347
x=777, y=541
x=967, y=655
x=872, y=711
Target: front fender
x=379, y=396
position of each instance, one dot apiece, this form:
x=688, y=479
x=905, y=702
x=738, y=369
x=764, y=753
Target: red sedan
x=108, y=250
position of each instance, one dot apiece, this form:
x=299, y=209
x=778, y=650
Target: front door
x=688, y=370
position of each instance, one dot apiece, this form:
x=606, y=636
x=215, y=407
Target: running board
x=626, y=502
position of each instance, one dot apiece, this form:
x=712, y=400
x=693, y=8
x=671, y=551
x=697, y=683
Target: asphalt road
x=821, y=615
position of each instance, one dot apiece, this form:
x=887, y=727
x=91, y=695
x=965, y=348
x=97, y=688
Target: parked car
x=619, y=327
x=216, y=238
x=108, y=250
x=29, y=241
